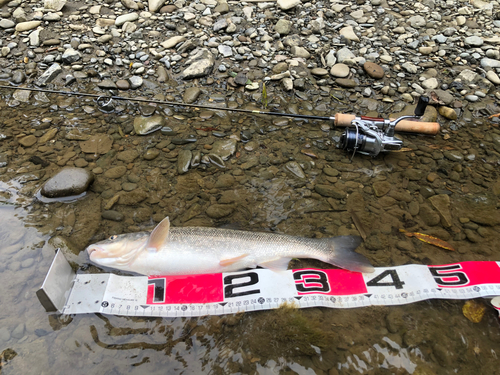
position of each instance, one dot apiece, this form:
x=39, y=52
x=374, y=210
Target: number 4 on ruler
x=392, y=274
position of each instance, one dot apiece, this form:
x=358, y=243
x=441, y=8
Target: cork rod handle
x=430, y=128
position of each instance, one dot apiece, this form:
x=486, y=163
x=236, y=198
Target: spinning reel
x=371, y=136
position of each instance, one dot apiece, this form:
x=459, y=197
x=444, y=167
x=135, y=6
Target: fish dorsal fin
x=231, y=261
x=277, y=264
x=158, y=236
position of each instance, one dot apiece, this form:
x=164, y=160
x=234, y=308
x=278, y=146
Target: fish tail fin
x=342, y=254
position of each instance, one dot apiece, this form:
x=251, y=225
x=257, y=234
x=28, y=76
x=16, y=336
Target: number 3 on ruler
x=396, y=281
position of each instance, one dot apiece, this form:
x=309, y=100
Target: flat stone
x=218, y=211
x=97, y=144
x=441, y=203
x=51, y=133
x=67, y=182
x=490, y=63
x=381, y=188
x=28, y=141
x=430, y=83
x=112, y=215
x=493, y=77
x=191, y=94
x=474, y=41
x=127, y=156
x=146, y=125
x=340, y=70
x=131, y=17
x=49, y=75
x=330, y=191
x=298, y=51
x=25, y=26
x=115, y=172
x=7, y=24
x=55, y=5
x=448, y=113
x=295, y=168
x=345, y=82
x=155, y=5
x=319, y=72
x=373, y=70
x=348, y=33
x=224, y=148
x=184, y=161
x=288, y=4
x=173, y=41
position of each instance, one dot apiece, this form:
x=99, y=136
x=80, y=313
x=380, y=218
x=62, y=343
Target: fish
x=201, y=250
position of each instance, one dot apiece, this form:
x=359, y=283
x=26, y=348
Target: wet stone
x=429, y=216
x=67, y=182
x=112, y=215
x=127, y=156
x=183, y=161
x=129, y=186
x=146, y=125
x=224, y=148
x=191, y=94
x=295, y=168
x=97, y=144
x=28, y=141
x=218, y=211
x=330, y=191
x=151, y=154
x=453, y=155
x=123, y=84
x=381, y=188
x=115, y=172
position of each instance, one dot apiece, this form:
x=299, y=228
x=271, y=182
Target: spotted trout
x=197, y=250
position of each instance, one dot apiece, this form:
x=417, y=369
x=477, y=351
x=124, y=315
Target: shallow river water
x=261, y=188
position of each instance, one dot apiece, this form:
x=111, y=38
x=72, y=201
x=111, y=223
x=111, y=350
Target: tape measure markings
x=263, y=289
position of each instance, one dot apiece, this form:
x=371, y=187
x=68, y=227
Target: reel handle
x=430, y=128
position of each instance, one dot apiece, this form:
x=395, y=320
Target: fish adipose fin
x=159, y=235
x=231, y=261
x=343, y=255
x=276, y=265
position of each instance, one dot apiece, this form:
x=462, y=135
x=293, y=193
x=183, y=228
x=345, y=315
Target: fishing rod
x=366, y=135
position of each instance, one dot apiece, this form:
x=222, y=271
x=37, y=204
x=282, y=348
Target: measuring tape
x=262, y=289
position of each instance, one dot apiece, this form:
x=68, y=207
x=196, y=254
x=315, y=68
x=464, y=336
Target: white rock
x=493, y=77
x=35, y=38
x=430, y=84
x=25, y=26
x=349, y=34
x=461, y=20
x=409, y=67
x=155, y=5
x=490, y=63
x=331, y=59
x=131, y=17
x=288, y=4
x=344, y=54
x=340, y=70
x=56, y=5
x=172, y=42
x=467, y=76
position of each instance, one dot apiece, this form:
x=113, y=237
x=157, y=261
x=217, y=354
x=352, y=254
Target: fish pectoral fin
x=159, y=235
x=277, y=264
x=231, y=261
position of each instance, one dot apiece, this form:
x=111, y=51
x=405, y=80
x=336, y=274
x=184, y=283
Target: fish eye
x=113, y=237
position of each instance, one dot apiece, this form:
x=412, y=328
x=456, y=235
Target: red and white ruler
x=261, y=289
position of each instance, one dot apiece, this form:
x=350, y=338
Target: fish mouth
x=92, y=249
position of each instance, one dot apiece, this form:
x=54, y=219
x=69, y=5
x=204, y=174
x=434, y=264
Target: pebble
x=67, y=182
x=340, y=70
x=373, y=70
